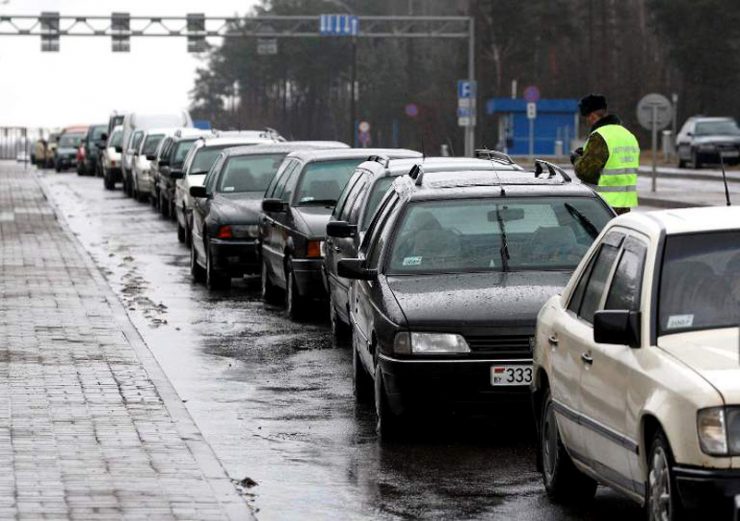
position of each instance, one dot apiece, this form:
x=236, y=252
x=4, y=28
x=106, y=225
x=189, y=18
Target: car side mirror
x=163, y=162
x=118, y=149
x=199, y=191
x=355, y=269
x=103, y=137
x=619, y=326
x=273, y=206
x=341, y=229
x=151, y=158
x=689, y=134
x=177, y=174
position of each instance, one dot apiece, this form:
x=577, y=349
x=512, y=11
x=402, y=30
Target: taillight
x=224, y=232
x=313, y=249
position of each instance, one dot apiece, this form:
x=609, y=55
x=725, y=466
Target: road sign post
x=654, y=112
x=466, y=111
x=531, y=116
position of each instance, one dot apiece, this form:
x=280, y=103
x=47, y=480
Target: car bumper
x=700, y=487
x=144, y=184
x=237, y=257
x=423, y=384
x=308, y=278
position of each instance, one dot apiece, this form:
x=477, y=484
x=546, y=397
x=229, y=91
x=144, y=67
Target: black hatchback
x=448, y=282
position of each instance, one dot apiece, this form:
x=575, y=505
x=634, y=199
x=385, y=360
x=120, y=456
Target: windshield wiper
x=504, y=251
x=316, y=202
x=199, y=172
x=585, y=221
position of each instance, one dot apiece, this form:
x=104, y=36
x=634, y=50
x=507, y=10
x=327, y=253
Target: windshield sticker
x=229, y=188
x=412, y=261
x=680, y=321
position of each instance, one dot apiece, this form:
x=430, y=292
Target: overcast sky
x=85, y=81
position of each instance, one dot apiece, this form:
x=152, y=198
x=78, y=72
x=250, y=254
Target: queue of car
x=474, y=283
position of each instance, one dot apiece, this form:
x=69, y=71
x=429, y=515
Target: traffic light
x=120, y=24
x=49, y=31
x=196, y=32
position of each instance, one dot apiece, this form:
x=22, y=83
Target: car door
x=606, y=381
x=570, y=331
x=273, y=227
x=201, y=207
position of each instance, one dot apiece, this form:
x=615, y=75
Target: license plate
x=508, y=375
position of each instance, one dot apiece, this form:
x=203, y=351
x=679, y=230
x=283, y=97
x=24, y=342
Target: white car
x=141, y=172
x=198, y=163
x=111, y=158
x=637, y=377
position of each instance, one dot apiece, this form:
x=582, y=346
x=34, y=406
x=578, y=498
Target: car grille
x=501, y=344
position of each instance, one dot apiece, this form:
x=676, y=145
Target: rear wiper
x=314, y=202
x=585, y=221
x=504, y=251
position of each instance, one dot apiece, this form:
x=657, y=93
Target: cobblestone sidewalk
x=90, y=427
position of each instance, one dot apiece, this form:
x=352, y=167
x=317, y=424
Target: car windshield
x=249, y=173
x=98, y=131
x=700, y=282
x=721, y=127
x=136, y=139
x=205, y=157
x=322, y=182
x=70, y=140
x=150, y=144
x=180, y=152
x=116, y=139
x=379, y=189
x=496, y=234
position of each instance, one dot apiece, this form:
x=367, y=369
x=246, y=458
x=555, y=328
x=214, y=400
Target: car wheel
x=164, y=207
x=564, y=483
x=390, y=425
x=362, y=383
x=294, y=304
x=339, y=328
x=695, y=160
x=270, y=293
x=214, y=278
x=154, y=199
x=196, y=271
x=180, y=232
x=57, y=167
x=663, y=503
x=108, y=183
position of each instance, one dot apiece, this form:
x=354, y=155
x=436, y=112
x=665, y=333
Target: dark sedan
x=297, y=207
x=92, y=143
x=449, y=279
x=227, y=209
x=170, y=161
x=356, y=207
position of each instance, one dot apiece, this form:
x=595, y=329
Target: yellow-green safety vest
x=618, y=180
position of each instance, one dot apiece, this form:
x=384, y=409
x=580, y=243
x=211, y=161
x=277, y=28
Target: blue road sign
x=466, y=89
x=339, y=25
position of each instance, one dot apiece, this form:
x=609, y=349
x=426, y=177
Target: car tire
x=57, y=167
x=108, y=183
x=362, y=383
x=390, y=425
x=215, y=279
x=695, y=163
x=196, y=271
x=294, y=304
x=340, y=330
x=661, y=483
x=564, y=483
x=270, y=292
x=164, y=206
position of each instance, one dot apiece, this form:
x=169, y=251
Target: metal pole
x=674, y=99
x=655, y=146
x=353, y=95
x=531, y=139
x=470, y=129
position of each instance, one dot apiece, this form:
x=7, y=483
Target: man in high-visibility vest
x=610, y=158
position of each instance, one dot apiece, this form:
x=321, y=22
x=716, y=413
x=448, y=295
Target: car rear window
x=249, y=173
x=464, y=235
x=70, y=140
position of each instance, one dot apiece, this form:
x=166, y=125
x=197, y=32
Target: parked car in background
x=143, y=160
x=198, y=163
x=704, y=140
x=130, y=149
x=227, y=209
x=137, y=121
x=65, y=154
x=111, y=158
x=447, y=285
x=637, y=382
x=356, y=208
x=297, y=207
x=88, y=162
x=169, y=165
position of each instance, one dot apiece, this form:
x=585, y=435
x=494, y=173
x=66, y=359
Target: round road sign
x=532, y=94
x=412, y=110
x=364, y=127
x=657, y=107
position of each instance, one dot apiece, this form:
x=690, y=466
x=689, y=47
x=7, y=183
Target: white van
x=140, y=121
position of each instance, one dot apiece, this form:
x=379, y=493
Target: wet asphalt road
x=274, y=398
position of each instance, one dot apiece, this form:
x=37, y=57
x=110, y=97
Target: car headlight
x=719, y=430
x=245, y=231
x=429, y=344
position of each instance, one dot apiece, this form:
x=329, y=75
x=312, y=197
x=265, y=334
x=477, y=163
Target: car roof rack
x=540, y=165
x=383, y=160
x=494, y=155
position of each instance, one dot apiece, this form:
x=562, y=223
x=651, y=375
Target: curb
x=233, y=505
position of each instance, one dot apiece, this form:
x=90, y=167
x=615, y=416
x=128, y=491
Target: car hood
x=711, y=353
x=244, y=208
x=312, y=219
x=717, y=139
x=475, y=299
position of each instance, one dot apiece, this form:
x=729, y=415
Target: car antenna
x=423, y=149
x=724, y=177
x=495, y=172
